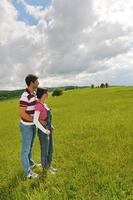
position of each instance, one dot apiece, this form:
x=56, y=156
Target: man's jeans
x=28, y=135
x=46, y=146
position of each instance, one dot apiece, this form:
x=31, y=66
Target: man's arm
x=24, y=115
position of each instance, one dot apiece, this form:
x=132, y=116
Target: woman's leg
x=44, y=143
x=50, y=149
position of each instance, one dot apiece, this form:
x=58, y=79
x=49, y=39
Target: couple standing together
x=35, y=113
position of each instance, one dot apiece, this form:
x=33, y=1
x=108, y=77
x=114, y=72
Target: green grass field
x=93, y=148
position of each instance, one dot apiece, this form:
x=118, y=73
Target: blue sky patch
x=23, y=15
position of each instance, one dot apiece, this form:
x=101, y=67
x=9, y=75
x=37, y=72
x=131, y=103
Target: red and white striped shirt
x=28, y=100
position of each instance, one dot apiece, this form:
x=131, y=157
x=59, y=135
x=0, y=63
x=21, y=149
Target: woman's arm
x=38, y=124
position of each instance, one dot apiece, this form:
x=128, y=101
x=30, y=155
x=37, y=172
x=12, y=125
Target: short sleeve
x=23, y=102
x=37, y=107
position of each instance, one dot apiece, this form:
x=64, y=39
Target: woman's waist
x=45, y=122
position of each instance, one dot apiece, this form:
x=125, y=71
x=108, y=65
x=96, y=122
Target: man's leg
x=27, y=135
x=31, y=161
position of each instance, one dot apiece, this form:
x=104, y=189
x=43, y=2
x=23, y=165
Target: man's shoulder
x=28, y=96
x=24, y=95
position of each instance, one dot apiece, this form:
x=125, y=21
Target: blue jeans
x=46, y=147
x=28, y=135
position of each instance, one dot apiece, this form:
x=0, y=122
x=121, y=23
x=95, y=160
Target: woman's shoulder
x=46, y=107
x=38, y=105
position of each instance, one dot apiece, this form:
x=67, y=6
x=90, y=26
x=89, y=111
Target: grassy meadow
x=93, y=148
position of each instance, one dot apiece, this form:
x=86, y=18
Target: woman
x=43, y=121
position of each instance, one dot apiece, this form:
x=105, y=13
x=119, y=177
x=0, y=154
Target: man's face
x=35, y=84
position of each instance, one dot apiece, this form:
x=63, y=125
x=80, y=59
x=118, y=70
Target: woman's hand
x=52, y=127
x=47, y=132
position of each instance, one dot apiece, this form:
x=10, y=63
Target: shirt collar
x=27, y=90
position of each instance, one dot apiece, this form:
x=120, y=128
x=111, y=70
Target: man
x=27, y=127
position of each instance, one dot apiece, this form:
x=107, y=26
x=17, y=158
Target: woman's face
x=44, y=97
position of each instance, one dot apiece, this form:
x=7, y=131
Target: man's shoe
x=32, y=175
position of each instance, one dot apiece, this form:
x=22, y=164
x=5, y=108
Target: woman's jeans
x=28, y=135
x=46, y=146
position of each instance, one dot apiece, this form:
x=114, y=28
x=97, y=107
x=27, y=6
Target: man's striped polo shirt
x=28, y=100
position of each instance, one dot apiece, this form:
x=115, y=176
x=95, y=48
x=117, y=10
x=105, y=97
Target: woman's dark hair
x=40, y=92
x=30, y=78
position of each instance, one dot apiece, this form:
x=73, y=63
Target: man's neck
x=31, y=90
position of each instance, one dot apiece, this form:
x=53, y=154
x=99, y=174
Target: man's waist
x=26, y=122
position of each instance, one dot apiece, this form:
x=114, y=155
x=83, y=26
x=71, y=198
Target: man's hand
x=24, y=115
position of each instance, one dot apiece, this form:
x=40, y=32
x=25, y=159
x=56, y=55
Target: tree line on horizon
x=102, y=85
x=57, y=91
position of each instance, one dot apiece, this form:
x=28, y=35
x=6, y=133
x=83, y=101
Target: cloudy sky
x=73, y=42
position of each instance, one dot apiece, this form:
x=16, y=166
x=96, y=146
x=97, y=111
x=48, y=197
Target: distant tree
x=2, y=97
x=106, y=85
x=57, y=92
x=92, y=86
x=102, y=85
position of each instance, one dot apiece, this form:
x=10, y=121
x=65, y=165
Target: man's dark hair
x=30, y=78
x=40, y=92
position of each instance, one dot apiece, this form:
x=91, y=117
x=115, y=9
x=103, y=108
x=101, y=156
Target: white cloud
x=115, y=11
x=74, y=42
